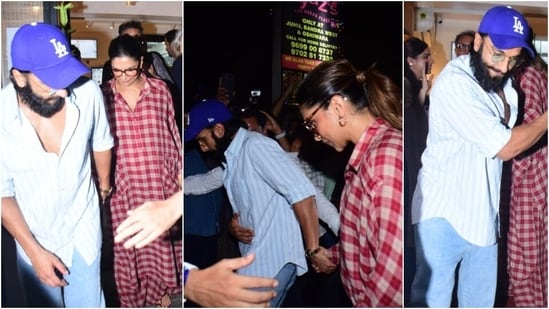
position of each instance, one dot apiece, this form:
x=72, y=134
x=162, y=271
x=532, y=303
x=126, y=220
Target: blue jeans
x=286, y=279
x=83, y=290
x=439, y=251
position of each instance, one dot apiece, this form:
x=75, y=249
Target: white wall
x=100, y=20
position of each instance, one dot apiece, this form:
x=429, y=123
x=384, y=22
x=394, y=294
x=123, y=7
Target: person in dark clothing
x=417, y=61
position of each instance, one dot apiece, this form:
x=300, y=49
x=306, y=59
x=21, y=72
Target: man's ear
x=218, y=130
x=477, y=42
x=19, y=77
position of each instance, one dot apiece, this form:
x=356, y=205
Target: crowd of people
x=374, y=198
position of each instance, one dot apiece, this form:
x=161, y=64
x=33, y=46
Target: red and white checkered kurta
x=527, y=244
x=147, y=156
x=370, y=247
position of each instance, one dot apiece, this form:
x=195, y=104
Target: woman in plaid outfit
x=527, y=235
x=147, y=155
x=342, y=105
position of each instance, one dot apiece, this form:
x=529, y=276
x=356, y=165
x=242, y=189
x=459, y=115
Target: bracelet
x=187, y=267
x=106, y=192
x=186, y=275
x=281, y=134
x=311, y=253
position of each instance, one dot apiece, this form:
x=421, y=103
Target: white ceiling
x=474, y=9
x=470, y=12
x=159, y=12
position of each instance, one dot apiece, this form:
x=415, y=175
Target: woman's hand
x=426, y=82
x=243, y=234
x=321, y=262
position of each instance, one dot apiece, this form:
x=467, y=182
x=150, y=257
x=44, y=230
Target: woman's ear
x=339, y=104
x=410, y=61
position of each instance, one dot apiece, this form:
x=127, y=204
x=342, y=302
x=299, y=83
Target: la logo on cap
x=60, y=48
x=518, y=27
x=210, y=119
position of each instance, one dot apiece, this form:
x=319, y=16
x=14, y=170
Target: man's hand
x=243, y=234
x=149, y=221
x=220, y=286
x=45, y=265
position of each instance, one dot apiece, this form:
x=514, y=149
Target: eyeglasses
x=463, y=46
x=35, y=81
x=308, y=123
x=500, y=57
x=129, y=72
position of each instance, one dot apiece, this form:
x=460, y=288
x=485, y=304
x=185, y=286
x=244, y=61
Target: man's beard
x=221, y=145
x=43, y=107
x=482, y=73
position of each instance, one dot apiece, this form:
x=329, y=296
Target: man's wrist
x=187, y=274
x=310, y=254
x=105, y=192
x=187, y=267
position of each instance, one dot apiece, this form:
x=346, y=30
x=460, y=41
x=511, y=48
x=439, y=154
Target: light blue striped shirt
x=56, y=194
x=262, y=183
x=213, y=179
x=461, y=175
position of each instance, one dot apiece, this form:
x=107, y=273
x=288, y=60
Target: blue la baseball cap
x=507, y=28
x=204, y=114
x=43, y=50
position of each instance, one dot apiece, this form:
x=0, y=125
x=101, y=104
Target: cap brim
x=191, y=132
x=62, y=75
x=206, y=113
x=508, y=42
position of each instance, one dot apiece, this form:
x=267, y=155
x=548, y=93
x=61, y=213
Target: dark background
x=237, y=37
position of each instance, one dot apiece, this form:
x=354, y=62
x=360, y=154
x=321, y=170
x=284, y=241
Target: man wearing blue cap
x=52, y=122
x=456, y=201
x=268, y=190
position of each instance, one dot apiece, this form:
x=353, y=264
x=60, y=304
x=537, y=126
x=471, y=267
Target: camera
x=255, y=95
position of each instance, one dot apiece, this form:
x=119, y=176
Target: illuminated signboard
x=310, y=32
